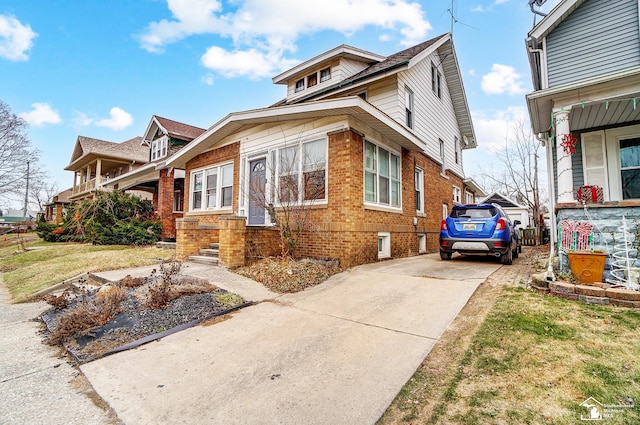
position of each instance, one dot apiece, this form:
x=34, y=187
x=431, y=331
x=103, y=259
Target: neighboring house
x=585, y=64
x=472, y=192
x=54, y=210
x=371, y=144
x=514, y=210
x=163, y=138
x=95, y=161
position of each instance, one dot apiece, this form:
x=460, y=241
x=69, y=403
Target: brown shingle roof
x=179, y=130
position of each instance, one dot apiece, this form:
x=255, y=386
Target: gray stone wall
x=607, y=223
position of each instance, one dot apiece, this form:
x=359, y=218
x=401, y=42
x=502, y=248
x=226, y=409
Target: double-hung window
x=419, y=180
x=381, y=175
x=436, y=81
x=212, y=188
x=457, y=194
x=408, y=106
x=302, y=172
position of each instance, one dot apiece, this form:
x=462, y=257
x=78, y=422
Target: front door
x=257, y=191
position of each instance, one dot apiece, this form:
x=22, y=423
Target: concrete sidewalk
x=37, y=384
x=337, y=353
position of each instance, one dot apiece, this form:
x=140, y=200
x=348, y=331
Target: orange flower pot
x=587, y=266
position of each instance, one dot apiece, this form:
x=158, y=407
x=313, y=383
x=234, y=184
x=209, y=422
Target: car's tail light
x=501, y=224
x=443, y=225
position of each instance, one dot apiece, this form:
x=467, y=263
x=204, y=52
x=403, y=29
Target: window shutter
x=594, y=161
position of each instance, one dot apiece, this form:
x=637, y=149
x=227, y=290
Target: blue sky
x=102, y=68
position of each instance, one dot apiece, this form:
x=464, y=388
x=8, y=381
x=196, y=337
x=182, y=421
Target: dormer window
x=312, y=80
x=325, y=75
x=159, y=148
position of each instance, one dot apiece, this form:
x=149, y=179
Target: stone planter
x=587, y=266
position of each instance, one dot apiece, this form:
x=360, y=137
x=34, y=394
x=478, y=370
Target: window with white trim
x=212, y=188
x=408, y=106
x=325, y=74
x=469, y=198
x=159, y=148
x=382, y=176
x=441, y=142
x=299, y=85
x=419, y=183
x=302, y=172
x=457, y=194
x=630, y=167
x=384, y=245
x=456, y=147
x=436, y=80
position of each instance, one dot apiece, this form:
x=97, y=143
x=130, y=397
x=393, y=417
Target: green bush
x=111, y=218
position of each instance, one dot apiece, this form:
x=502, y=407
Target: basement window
x=384, y=245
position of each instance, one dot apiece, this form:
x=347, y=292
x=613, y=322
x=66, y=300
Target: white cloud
x=16, y=39
x=479, y=8
x=266, y=32
x=42, y=114
x=208, y=79
x=81, y=119
x=492, y=127
x=501, y=1
x=471, y=72
x=502, y=79
x=118, y=119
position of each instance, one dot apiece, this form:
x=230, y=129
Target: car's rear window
x=474, y=212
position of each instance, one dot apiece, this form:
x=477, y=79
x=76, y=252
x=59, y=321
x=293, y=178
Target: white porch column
x=564, y=168
x=98, y=173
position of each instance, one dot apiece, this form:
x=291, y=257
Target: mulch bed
x=285, y=274
x=91, y=323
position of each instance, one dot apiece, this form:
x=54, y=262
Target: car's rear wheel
x=515, y=252
x=507, y=257
x=445, y=255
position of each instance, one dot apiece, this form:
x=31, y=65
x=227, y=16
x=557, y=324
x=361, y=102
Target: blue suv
x=480, y=229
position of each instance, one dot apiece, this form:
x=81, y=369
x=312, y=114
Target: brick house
x=162, y=138
x=379, y=139
x=54, y=210
x=585, y=66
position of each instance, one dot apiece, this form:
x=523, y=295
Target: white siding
x=383, y=94
x=346, y=68
x=598, y=38
x=434, y=118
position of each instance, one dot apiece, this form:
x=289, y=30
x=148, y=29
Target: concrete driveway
x=337, y=353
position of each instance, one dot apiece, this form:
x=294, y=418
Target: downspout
x=553, y=234
x=537, y=12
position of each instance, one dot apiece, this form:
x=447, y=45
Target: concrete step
x=209, y=252
x=214, y=245
x=203, y=259
x=166, y=245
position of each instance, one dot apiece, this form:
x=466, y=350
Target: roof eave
x=348, y=106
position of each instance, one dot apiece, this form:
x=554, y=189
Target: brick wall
x=342, y=228
x=164, y=205
x=191, y=237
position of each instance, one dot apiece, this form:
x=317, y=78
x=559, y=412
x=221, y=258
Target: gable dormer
x=325, y=70
x=164, y=136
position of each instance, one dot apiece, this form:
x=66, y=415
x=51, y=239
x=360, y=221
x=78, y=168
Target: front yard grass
x=45, y=264
x=533, y=360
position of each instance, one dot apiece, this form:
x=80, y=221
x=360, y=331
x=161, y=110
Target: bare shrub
x=132, y=282
x=92, y=310
x=59, y=302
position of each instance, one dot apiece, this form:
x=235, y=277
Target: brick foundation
x=232, y=241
